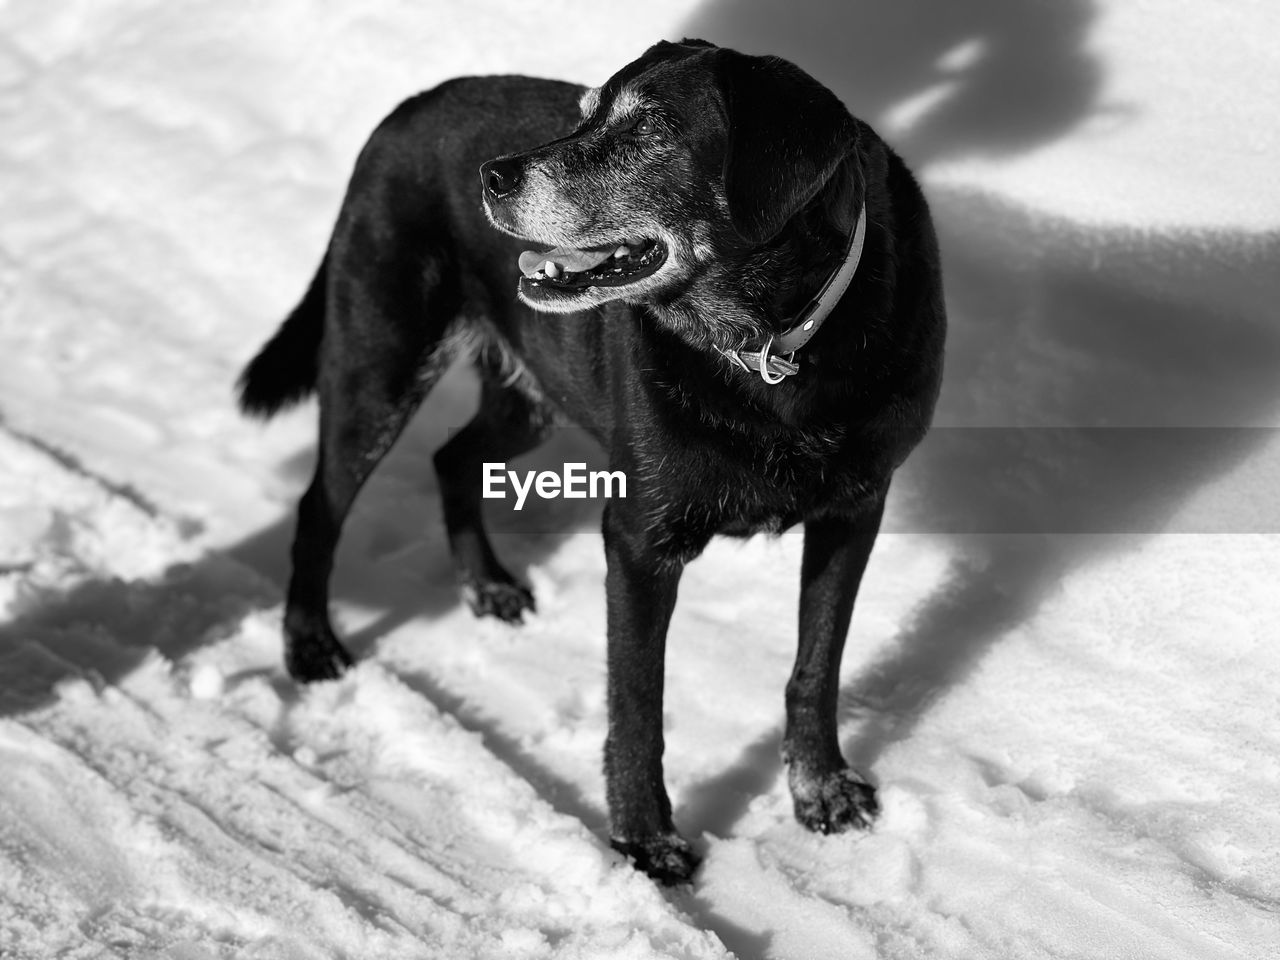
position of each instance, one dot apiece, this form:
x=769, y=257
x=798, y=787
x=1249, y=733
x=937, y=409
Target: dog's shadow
x=1135, y=368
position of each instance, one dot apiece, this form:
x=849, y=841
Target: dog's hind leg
x=507, y=424
x=383, y=350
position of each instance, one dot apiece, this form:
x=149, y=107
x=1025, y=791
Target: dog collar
x=775, y=362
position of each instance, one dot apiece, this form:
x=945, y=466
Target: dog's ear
x=787, y=133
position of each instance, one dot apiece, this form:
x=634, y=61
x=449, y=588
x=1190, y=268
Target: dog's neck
x=758, y=321
x=744, y=297
x=775, y=359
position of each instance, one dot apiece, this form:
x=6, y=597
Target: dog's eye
x=644, y=127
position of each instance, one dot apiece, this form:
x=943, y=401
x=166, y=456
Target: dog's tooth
x=622, y=251
x=551, y=269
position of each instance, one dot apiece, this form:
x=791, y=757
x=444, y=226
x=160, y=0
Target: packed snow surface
x=1062, y=672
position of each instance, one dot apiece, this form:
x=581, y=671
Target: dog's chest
x=744, y=487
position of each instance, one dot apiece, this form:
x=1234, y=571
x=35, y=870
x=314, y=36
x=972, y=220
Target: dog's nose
x=500, y=177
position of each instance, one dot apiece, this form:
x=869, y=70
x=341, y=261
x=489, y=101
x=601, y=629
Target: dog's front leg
x=640, y=583
x=829, y=796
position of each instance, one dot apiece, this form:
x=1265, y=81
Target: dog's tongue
x=568, y=259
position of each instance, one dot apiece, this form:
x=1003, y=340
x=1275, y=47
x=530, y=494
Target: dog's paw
x=316, y=657
x=506, y=601
x=834, y=802
x=667, y=857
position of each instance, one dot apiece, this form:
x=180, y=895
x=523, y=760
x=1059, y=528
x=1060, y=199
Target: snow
x=1062, y=669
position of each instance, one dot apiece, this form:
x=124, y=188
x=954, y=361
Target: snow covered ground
x=1063, y=669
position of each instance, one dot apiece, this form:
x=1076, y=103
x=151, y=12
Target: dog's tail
x=284, y=371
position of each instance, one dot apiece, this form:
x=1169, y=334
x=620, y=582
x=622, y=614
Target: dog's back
x=414, y=190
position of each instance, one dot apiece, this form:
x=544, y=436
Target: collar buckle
x=773, y=369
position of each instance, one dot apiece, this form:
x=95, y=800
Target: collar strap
x=809, y=320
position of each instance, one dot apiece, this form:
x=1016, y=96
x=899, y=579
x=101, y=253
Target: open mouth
x=567, y=270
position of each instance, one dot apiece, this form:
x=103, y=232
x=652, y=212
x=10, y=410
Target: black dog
x=747, y=316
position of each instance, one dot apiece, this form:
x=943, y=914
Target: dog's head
x=685, y=157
